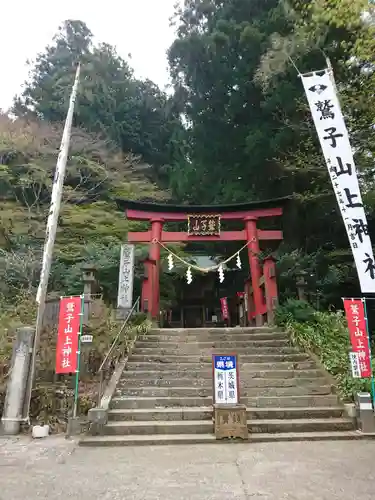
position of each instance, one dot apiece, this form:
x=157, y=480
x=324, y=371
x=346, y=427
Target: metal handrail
x=118, y=335
x=100, y=371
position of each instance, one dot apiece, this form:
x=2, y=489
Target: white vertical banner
x=126, y=277
x=57, y=190
x=355, y=364
x=334, y=140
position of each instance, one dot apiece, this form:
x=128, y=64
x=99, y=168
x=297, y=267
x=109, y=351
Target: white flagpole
x=52, y=223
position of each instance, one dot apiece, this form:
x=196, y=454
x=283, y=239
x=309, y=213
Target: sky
x=138, y=27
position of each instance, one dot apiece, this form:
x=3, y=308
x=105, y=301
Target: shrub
x=52, y=395
x=294, y=310
x=326, y=335
x=138, y=318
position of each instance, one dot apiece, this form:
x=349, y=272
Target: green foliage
x=294, y=310
x=116, y=117
x=91, y=228
x=138, y=318
x=249, y=133
x=52, y=395
x=326, y=335
x=136, y=115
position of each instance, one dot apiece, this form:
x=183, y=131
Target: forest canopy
x=236, y=128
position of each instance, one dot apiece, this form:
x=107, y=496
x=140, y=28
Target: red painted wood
x=179, y=236
x=270, y=235
x=151, y=287
x=132, y=214
x=255, y=268
x=156, y=232
x=263, y=311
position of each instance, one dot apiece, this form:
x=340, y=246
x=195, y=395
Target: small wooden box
x=230, y=421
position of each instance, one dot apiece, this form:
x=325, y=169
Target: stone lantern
x=301, y=285
x=89, y=282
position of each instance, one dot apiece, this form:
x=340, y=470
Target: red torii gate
x=249, y=213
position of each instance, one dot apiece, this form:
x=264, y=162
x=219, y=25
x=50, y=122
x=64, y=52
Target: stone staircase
x=165, y=394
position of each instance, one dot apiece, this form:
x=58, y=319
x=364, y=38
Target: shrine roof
x=233, y=207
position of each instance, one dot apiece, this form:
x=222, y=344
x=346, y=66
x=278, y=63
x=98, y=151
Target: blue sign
x=225, y=362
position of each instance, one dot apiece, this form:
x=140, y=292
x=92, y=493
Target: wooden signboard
x=204, y=225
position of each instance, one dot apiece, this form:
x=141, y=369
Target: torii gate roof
x=171, y=208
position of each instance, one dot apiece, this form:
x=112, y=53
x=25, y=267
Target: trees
x=90, y=226
x=235, y=133
x=136, y=115
x=250, y=133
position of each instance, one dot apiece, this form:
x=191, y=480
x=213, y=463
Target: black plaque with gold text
x=203, y=225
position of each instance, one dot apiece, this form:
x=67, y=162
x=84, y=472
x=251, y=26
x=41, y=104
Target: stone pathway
x=57, y=469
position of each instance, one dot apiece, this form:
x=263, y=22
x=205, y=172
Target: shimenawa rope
x=197, y=268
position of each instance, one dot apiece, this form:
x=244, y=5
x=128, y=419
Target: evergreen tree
x=250, y=132
x=134, y=114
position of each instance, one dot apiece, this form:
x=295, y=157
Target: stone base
x=97, y=417
x=121, y=314
x=73, y=427
x=351, y=410
x=230, y=421
x=10, y=427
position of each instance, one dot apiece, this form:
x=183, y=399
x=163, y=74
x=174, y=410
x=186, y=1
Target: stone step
x=149, y=440
x=144, y=402
x=251, y=402
x=159, y=427
x=300, y=425
x=222, y=330
x=191, y=391
x=194, y=350
x=296, y=401
x=189, y=439
x=248, y=358
x=316, y=412
x=207, y=374
x=206, y=413
x=185, y=413
x=228, y=343
x=206, y=426
x=217, y=337
x=127, y=382
x=164, y=365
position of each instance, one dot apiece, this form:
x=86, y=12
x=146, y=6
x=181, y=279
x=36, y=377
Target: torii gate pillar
x=156, y=232
x=255, y=266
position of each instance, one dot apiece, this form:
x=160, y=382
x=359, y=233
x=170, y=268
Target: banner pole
x=369, y=348
x=76, y=391
x=51, y=228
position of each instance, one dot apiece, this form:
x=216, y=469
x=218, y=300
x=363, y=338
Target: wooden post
x=156, y=231
x=270, y=285
x=255, y=268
